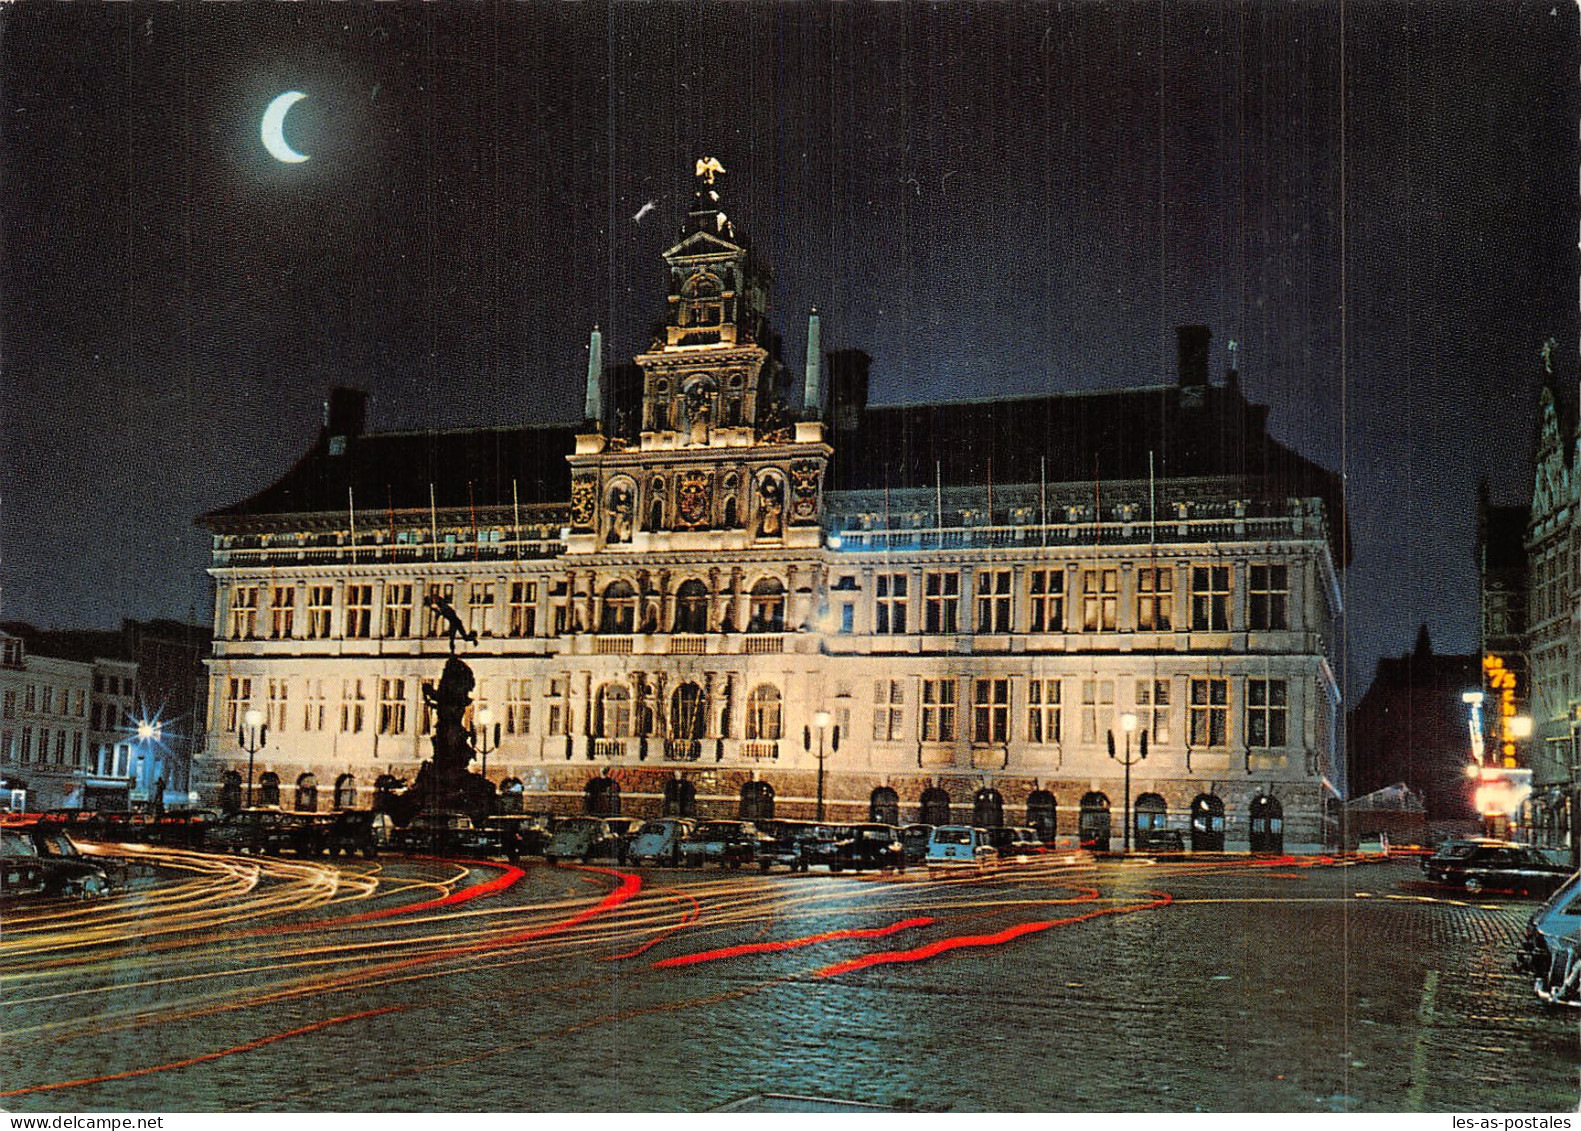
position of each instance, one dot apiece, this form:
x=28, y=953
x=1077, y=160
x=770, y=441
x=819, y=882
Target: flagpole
x=433, y=523
x=351, y=508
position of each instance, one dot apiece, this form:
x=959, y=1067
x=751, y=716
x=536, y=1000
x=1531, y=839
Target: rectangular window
x=1097, y=709
x=359, y=612
x=991, y=711
x=76, y=748
x=79, y=703
x=32, y=697
x=1152, y=709
x=1267, y=711
x=1155, y=599
x=938, y=710
x=941, y=602
x=1210, y=599
x=518, y=706
x=27, y=746
x=48, y=707
x=60, y=748
x=524, y=608
x=1210, y=712
x=993, y=600
x=426, y=690
x=320, y=601
x=244, y=612
x=275, y=713
x=1045, y=601
x=1043, y=711
x=436, y=624
x=238, y=694
x=282, y=612
x=9, y=710
x=1268, y=597
x=847, y=618
x=313, y=706
x=1100, y=600
x=480, y=608
x=352, y=706
x=889, y=710
x=559, y=715
x=891, y=608
x=397, y=611
x=392, y=706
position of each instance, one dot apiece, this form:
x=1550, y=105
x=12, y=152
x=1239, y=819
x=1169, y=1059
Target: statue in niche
x=771, y=508
x=620, y=514
x=699, y=410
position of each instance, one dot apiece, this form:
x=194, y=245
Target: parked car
x=659, y=841
x=1479, y=865
x=21, y=873
x=262, y=829
x=954, y=847
x=1015, y=843
x=358, y=830
x=1551, y=950
x=798, y=845
x=869, y=846
x=581, y=838
x=520, y=834
x=182, y=828
x=440, y=832
x=1160, y=840
x=64, y=870
x=915, y=838
x=726, y=843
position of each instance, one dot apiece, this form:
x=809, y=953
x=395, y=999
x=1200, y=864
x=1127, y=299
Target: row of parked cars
x=38, y=858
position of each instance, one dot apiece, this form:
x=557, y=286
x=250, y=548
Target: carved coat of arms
x=804, y=490
x=695, y=498
x=584, y=499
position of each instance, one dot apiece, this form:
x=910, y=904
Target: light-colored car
x=960, y=847
x=1551, y=951
x=581, y=838
x=659, y=841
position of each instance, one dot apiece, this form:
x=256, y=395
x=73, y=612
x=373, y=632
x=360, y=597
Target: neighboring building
x=73, y=704
x=1553, y=614
x=1411, y=728
x=666, y=595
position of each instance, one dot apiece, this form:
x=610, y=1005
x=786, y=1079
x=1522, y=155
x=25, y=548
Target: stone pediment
x=703, y=243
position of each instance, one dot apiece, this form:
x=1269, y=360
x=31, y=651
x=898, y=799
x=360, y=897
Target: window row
x=43, y=747
x=903, y=603
x=45, y=699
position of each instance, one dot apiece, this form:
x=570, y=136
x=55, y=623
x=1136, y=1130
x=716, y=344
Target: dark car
x=1480, y=865
x=869, y=846
x=354, y=831
x=64, y=870
x=726, y=843
x=262, y=829
x=915, y=838
x=443, y=831
x=798, y=845
x=181, y=828
x=519, y=834
x=21, y=873
x=1015, y=843
x=1551, y=951
x=1160, y=840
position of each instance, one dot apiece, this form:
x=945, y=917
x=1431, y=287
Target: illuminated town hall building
x=669, y=598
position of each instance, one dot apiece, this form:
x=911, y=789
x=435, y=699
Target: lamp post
x=491, y=730
x=1128, y=724
x=820, y=720
x=251, y=736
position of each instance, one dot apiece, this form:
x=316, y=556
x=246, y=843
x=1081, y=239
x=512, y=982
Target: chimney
x=1192, y=343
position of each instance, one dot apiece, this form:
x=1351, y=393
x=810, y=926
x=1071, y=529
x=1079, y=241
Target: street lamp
x=485, y=719
x=1128, y=724
x=821, y=721
x=148, y=730
x=252, y=736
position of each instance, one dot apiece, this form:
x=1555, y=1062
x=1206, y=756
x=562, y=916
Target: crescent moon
x=273, y=130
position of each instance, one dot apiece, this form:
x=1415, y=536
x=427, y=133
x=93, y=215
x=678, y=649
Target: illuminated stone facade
x=667, y=594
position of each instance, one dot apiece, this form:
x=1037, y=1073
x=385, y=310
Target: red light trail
x=792, y=944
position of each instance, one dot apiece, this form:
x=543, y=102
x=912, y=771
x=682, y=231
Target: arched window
x=1043, y=814
x=346, y=792
x=306, y=800
x=691, y=606
x=686, y=711
x=883, y=807
x=767, y=606
x=511, y=800
x=1093, y=823
x=612, y=711
x=269, y=789
x=1151, y=813
x=763, y=713
x=988, y=809
x=757, y=801
x=231, y=791
x=1207, y=823
x=935, y=807
x=680, y=798
x=602, y=798
x=1267, y=818
x=620, y=608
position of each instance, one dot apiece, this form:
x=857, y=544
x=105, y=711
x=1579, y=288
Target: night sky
x=1377, y=202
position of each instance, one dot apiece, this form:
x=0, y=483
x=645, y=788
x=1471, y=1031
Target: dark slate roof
x=394, y=470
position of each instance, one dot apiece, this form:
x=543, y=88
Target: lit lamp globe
x=1520, y=726
x=253, y=719
x=820, y=719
